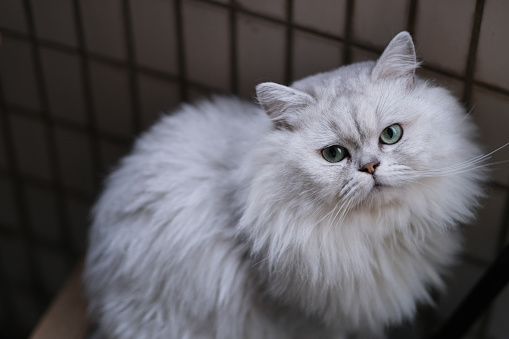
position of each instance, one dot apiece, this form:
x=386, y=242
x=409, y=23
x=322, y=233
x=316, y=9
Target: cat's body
x=228, y=222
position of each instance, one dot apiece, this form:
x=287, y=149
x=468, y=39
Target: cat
x=329, y=209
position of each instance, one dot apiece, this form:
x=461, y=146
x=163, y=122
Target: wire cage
x=79, y=80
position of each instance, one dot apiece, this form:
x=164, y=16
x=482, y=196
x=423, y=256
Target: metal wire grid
x=36, y=290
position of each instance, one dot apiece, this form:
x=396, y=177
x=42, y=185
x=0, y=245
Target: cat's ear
x=398, y=60
x=282, y=103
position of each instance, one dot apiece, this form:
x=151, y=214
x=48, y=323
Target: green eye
x=334, y=153
x=391, y=134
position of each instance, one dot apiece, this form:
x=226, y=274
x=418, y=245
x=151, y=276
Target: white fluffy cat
x=329, y=211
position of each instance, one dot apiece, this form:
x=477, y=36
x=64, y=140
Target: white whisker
x=346, y=203
x=462, y=167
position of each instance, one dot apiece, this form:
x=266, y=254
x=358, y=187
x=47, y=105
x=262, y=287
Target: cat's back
x=210, y=134
x=185, y=155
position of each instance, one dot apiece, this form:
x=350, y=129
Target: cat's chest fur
x=356, y=274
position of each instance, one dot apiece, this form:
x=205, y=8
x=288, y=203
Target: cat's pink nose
x=369, y=168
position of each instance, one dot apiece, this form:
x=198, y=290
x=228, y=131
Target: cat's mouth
x=380, y=182
x=376, y=182
x=378, y=186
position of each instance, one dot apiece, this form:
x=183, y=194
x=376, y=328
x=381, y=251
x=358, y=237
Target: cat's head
x=363, y=164
x=368, y=134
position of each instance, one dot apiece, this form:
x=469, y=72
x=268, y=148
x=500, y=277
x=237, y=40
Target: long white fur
x=223, y=223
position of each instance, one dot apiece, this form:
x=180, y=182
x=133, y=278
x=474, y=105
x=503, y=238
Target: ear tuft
x=281, y=103
x=398, y=60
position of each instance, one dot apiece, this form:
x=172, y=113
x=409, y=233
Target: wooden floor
x=66, y=317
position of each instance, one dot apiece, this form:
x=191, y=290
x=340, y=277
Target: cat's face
x=368, y=133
